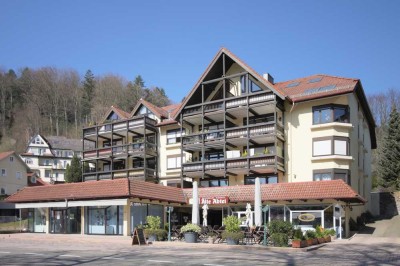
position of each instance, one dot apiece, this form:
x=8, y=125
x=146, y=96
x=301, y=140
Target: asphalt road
x=76, y=251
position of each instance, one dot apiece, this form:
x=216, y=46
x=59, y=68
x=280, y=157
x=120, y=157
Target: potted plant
x=328, y=234
x=211, y=237
x=311, y=237
x=232, y=232
x=153, y=230
x=244, y=153
x=299, y=240
x=190, y=232
x=320, y=234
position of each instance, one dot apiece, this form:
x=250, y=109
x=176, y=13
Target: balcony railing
x=134, y=148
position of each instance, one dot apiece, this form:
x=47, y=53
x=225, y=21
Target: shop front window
x=105, y=220
x=39, y=225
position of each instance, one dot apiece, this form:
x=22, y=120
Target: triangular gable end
x=38, y=140
x=114, y=114
x=215, y=71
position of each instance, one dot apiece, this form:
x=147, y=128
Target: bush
x=280, y=239
x=232, y=224
x=279, y=226
x=233, y=235
x=310, y=234
x=330, y=232
x=153, y=222
x=159, y=233
x=194, y=228
x=319, y=231
x=298, y=234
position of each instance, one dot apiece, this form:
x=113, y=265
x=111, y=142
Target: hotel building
x=309, y=140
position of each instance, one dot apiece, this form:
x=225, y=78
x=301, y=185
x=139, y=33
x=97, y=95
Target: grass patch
x=13, y=226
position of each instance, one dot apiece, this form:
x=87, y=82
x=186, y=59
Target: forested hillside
x=60, y=102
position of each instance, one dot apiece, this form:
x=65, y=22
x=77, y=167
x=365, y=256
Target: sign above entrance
x=306, y=217
x=214, y=200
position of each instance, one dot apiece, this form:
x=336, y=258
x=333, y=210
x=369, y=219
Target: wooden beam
x=230, y=116
x=209, y=120
x=253, y=112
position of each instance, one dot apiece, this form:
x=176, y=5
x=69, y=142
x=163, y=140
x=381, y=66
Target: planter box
x=299, y=243
x=231, y=241
x=315, y=241
x=328, y=239
x=190, y=237
x=321, y=240
x=309, y=242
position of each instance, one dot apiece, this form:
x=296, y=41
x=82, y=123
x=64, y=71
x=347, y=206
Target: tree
x=388, y=168
x=87, y=94
x=73, y=172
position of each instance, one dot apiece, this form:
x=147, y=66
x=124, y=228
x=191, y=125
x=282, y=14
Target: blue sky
x=170, y=43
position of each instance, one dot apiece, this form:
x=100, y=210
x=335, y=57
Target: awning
x=75, y=203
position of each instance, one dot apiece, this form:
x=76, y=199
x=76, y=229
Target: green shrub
x=319, y=231
x=233, y=235
x=330, y=232
x=190, y=228
x=280, y=239
x=310, y=234
x=279, y=226
x=153, y=222
x=159, y=233
x=232, y=224
x=298, y=234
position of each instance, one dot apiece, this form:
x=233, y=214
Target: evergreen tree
x=73, y=172
x=389, y=162
x=87, y=94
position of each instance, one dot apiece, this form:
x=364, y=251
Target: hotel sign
x=214, y=200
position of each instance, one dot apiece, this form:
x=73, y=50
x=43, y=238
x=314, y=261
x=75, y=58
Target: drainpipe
x=291, y=140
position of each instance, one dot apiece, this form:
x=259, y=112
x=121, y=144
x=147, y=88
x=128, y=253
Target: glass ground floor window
x=104, y=220
x=139, y=212
x=65, y=220
x=39, y=220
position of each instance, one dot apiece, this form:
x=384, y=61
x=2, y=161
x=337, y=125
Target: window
x=331, y=113
x=216, y=155
x=18, y=175
x=331, y=146
x=214, y=183
x=47, y=173
x=174, y=136
x=253, y=86
x=251, y=180
x=11, y=159
x=2, y=191
x=3, y=172
x=28, y=161
x=174, y=162
x=332, y=174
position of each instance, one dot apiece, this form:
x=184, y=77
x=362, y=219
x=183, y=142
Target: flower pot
x=309, y=242
x=328, y=239
x=321, y=240
x=299, y=243
x=231, y=241
x=152, y=238
x=190, y=237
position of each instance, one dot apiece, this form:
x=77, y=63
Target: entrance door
x=59, y=221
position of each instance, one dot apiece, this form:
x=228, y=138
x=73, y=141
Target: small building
x=49, y=156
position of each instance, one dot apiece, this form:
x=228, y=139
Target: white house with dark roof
x=49, y=156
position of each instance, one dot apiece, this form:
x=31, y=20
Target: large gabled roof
x=241, y=64
x=157, y=111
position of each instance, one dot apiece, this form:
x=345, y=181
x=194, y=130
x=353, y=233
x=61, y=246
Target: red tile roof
x=157, y=111
x=119, y=188
x=302, y=89
x=5, y=154
x=333, y=189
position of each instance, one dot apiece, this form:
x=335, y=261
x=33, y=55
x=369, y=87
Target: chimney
x=268, y=77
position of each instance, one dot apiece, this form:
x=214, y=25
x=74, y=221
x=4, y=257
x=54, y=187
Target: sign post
x=169, y=210
x=264, y=210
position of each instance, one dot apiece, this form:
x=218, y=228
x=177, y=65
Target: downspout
x=291, y=140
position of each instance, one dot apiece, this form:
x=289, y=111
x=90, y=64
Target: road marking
x=112, y=258
x=37, y=254
x=161, y=261
x=73, y=256
x=5, y=252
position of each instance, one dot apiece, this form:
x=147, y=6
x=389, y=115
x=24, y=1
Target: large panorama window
x=214, y=183
x=251, y=180
x=331, y=146
x=332, y=174
x=330, y=113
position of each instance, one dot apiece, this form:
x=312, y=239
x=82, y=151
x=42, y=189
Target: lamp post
x=264, y=210
x=169, y=210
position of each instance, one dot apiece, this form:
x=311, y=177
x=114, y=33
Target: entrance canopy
x=321, y=191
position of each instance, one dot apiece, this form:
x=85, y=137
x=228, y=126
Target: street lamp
x=264, y=210
x=169, y=210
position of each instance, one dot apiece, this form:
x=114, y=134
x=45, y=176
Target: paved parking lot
x=28, y=249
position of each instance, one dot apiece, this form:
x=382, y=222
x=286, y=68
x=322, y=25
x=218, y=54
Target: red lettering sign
x=214, y=200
